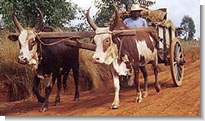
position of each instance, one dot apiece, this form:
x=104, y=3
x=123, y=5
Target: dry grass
x=191, y=50
x=94, y=76
x=15, y=78
x=190, y=45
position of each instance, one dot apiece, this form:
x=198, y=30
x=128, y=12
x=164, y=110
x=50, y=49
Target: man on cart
x=135, y=21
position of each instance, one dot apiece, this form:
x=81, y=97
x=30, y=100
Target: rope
x=46, y=44
x=49, y=44
x=120, y=46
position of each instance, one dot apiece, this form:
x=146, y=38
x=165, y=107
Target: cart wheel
x=177, y=62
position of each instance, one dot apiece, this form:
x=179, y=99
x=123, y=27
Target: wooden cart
x=170, y=52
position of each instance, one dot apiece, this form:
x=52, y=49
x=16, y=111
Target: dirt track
x=171, y=101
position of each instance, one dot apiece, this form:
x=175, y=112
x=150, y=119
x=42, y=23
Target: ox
x=125, y=54
x=53, y=61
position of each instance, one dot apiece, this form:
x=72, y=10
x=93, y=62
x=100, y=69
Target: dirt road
x=171, y=101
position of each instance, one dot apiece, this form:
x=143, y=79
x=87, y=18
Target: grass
x=95, y=76
x=190, y=45
x=16, y=78
x=191, y=50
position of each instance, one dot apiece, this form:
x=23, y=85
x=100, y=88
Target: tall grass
x=16, y=78
x=191, y=50
x=190, y=45
x=94, y=76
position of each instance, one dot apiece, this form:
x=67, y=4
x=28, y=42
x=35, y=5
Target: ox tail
x=65, y=87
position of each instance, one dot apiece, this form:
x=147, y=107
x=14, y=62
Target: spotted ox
x=53, y=61
x=125, y=54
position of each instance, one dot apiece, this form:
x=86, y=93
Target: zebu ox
x=126, y=52
x=55, y=60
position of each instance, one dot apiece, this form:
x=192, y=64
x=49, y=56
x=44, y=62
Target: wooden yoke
x=70, y=38
x=83, y=34
x=66, y=34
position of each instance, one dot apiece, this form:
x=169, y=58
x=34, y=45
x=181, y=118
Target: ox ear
x=13, y=37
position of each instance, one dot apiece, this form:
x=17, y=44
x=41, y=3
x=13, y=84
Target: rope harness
x=40, y=54
x=120, y=48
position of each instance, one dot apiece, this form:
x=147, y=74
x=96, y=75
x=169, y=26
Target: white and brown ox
x=55, y=61
x=126, y=52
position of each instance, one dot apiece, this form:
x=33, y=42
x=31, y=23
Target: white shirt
x=139, y=22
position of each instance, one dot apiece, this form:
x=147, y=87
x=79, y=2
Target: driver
x=135, y=21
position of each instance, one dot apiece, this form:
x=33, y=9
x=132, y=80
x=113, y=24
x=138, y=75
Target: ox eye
x=107, y=41
x=32, y=42
x=106, y=44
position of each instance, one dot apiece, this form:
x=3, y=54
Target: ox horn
x=92, y=24
x=16, y=22
x=117, y=16
x=116, y=19
x=40, y=21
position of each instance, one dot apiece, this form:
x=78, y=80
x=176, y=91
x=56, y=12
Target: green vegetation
x=106, y=9
x=189, y=26
x=57, y=13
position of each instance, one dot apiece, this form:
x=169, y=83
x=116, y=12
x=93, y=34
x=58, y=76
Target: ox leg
x=157, y=85
x=65, y=76
x=76, y=75
x=116, y=102
x=137, y=86
x=57, y=101
x=144, y=72
x=47, y=93
x=36, y=82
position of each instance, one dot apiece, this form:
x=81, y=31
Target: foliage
x=106, y=10
x=57, y=13
x=189, y=26
x=82, y=25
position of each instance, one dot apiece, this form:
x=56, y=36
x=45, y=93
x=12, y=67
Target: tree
x=57, y=13
x=106, y=9
x=189, y=27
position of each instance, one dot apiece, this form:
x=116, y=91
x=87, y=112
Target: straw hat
x=135, y=7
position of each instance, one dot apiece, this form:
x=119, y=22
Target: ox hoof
x=57, y=102
x=139, y=97
x=157, y=88
x=76, y=99
x=43, y=109
x=138, y=100
x=115, y=106
x=144, y=94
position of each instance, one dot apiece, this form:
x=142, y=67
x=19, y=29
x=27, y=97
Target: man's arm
x=145, y=23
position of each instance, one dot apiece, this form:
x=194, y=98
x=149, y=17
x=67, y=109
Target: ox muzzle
x=22, y=60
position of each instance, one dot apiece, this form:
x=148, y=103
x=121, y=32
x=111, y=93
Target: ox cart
x=170, y=51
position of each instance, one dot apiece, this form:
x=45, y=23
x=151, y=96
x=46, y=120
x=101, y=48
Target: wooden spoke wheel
x=177, y=62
